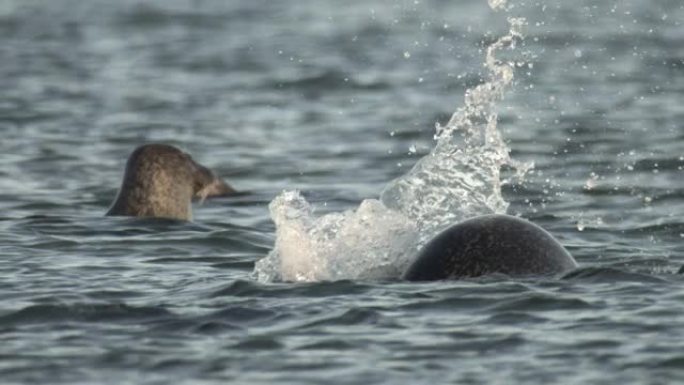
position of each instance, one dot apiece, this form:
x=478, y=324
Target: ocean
x=317, y=110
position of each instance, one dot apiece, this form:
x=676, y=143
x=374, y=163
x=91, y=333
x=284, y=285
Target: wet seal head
x=490, y=244
x=161, y=181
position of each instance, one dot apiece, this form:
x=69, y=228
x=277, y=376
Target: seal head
x=161, y=181
x=487, y=245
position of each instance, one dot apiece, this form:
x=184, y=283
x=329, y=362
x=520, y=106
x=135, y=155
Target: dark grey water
x=328, y=97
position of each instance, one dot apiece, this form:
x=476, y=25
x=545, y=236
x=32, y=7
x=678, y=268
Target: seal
x=161, y=181
x=490, y=244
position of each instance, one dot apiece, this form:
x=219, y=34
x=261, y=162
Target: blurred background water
x=335, y=100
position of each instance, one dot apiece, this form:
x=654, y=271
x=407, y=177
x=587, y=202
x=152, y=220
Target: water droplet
x=407, y=54
x=591, y=182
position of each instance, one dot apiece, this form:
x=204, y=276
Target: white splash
x=461, y=177
x=458, y=179
x=497, y=4
x=371, y=242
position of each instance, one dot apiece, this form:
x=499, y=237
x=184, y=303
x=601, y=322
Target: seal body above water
x=161, y=181
x=490, y=244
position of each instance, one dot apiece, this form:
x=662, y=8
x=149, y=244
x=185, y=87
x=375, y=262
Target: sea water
x=339, y=103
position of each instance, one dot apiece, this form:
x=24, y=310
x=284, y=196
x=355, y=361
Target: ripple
x=327, y=80
x=240, y=315
x=611, y=275
x=543, y=302
x=357, y=316
x=242, y=288
x=84, y=313
x=259, y=343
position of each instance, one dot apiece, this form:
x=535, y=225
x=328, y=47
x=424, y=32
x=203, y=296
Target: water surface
x=335, y=101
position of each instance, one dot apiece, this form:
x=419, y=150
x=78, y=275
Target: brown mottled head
x=161, y=181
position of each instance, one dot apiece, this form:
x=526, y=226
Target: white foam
x=371, y=242
x=458, y=179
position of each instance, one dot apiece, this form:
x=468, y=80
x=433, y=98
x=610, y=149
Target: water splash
x=461, y=177
x=497, y=4
x=371, y=242
x=458, y=179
